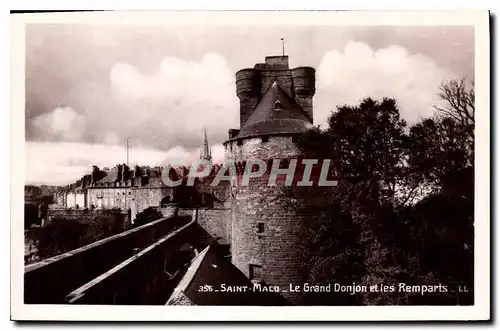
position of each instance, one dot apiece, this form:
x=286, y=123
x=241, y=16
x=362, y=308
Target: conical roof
x=276, y=113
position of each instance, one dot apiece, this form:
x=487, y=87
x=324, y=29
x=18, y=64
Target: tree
x=106, y=224
x=383, y=223
x=459, y=104
x=441, y=154
x=59, y=236
x=30, y=215
x=367, y=142
x=443, y=146
x=65, y=234
x=437, y=238
x=368, y=145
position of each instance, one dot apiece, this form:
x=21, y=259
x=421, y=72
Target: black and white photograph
x=260, y=160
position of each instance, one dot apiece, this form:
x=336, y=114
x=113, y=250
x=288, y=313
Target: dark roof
x=110, y=176
x=212, y=268
x=154, y=182
x=266, y=120
x=78, y=189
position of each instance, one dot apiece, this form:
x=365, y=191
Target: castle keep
x=275, y=107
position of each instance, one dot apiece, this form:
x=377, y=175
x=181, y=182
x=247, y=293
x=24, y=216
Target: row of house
x=120, y=187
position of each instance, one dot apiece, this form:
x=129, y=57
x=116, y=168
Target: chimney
x=95, y=174
x=125, y=173
x=119, y=173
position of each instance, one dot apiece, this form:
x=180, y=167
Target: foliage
x=404, y=209
x=107, y=224
x=30, y=215
x=148, y=215
x=65, y=234
x=59, y=236
x=459, y=105
x=441, y=153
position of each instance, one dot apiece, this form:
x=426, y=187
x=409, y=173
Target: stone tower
x=275, y=106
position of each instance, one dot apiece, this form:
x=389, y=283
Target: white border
x=481, y=309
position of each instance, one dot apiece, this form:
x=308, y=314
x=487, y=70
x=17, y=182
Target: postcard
x=250, y=166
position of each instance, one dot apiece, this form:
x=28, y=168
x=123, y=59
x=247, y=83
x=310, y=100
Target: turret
x=304, y=87
x=251, y=84
x=248, y=91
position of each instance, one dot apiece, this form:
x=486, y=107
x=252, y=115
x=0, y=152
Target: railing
x=49, y=281
x=141, y=279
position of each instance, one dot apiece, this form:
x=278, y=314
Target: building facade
x=128, y=190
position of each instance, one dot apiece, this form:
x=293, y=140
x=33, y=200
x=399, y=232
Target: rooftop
x=211, y=269
x=276, y=113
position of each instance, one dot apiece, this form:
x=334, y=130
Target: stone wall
x=216, y=222
x=141, y=278
x=188, y=212
x=144, y=197
x=50, y=280
x=265, y=232
x=151, y=197
x=168, y=211
x=81, y=215
x=254, y=148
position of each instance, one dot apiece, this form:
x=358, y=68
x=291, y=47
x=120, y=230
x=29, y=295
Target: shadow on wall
x=49, y=281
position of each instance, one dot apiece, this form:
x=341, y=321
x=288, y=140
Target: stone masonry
x=275, y=107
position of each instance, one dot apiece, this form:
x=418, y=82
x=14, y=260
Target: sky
x=89, y=87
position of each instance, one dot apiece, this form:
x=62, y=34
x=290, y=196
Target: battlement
x=252, y=83
x=279, y=62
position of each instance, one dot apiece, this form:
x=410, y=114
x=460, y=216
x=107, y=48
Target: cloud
x=167, y=105
x=111, y=138
x=58, y=163
x=163, y=103
x=218, y=153
x=63, y=123
x=358, y=71
x=175, y=102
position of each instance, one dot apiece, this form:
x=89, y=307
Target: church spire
x=205, y=152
